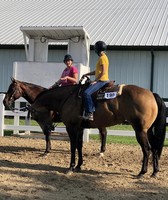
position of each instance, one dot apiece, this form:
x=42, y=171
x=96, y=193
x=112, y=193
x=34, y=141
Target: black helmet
x=67, y=57
x=100, y=46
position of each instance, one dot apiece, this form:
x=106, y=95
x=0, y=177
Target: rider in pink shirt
x=69, y=75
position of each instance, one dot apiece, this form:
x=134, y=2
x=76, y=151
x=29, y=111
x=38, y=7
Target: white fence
x=16, y=127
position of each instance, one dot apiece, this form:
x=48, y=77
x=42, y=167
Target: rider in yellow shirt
x=101, y=78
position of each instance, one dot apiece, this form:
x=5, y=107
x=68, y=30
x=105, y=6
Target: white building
x=136, y=33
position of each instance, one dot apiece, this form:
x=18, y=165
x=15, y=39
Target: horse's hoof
x=154, y=175
x=45, y=154
x=70, y=171
x=139, y=176
x=101, y=155
x=77, y=169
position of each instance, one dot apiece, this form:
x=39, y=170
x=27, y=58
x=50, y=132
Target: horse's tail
x=159, y=126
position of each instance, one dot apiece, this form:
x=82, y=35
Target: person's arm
x=89, y=73
x=73, y=79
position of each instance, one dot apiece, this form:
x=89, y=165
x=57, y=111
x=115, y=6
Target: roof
x=117, y=22
x=54, y=32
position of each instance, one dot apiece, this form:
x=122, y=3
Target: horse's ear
x=12, y=79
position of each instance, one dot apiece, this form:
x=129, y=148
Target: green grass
x=10, y=121
x=110, y=138
x=128, y=140
x=121, y=127
x=22, y=121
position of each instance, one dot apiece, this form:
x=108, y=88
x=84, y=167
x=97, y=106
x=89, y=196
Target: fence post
x=27, y=121
x=86, y=135
x=2, y=111
x=16, y=118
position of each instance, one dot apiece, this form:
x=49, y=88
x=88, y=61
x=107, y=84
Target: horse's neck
x=30, y=93
x=57, y=97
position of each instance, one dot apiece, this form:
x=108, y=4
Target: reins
x=29, y=109
x=22, y=109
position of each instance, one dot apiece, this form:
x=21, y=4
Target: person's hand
x=56, y=84
x=93, y=82
x=64, y=78
x=84, y=75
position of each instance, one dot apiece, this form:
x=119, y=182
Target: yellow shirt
x=103, y=60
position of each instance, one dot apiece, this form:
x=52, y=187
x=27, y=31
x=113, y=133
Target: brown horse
x=30, y=92
x=145, y=111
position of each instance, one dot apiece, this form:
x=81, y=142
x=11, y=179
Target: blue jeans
x=89, y=104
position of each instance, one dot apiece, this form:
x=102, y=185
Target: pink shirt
x=69, y=71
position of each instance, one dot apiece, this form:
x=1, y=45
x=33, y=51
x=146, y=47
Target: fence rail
x=16, y=127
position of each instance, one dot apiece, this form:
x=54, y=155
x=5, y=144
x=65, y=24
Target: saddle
x=109, y=91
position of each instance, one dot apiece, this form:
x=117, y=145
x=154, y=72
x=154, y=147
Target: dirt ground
x=25, y=174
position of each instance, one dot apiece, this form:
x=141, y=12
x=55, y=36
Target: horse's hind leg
x=144, y=143
x=155, y=163
x=47, y=132
x=155, y=156
x=103, y=136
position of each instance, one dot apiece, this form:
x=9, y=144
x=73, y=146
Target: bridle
x=15, y=92
x=25, y=108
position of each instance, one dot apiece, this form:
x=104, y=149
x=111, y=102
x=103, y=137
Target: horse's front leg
x=48, y=143
x=103, y=136
x=79, y=148
x=73, y=145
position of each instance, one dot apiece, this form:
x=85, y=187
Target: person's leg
x=89, y=105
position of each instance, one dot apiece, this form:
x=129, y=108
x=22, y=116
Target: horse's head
x=14, y=92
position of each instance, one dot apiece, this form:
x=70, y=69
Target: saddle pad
x=107, y=95
x=110, y=94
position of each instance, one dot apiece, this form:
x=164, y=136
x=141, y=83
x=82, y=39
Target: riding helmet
x=68, y=57
x=100, y=46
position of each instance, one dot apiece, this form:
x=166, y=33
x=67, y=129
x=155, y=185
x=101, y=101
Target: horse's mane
x=55, y=89
x=33, y=85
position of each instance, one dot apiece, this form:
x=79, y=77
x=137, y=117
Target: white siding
x=56, y=55
x=7, y=57
x=129, y=67
x=161, y=74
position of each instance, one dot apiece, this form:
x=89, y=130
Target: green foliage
x=116, y=139
x=121, y=127
x=110, y=138
x=128, y=140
